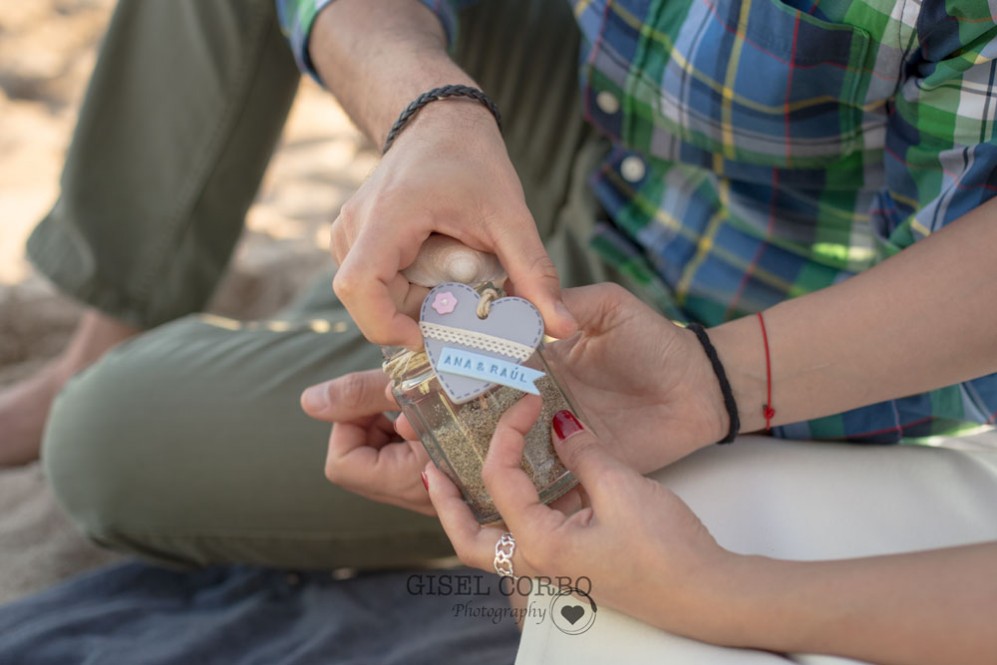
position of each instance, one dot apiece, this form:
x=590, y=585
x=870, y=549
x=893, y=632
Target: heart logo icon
x=453, y=331
x=572, y=613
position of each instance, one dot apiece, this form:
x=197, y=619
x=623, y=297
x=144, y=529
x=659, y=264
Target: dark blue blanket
x=133, y=613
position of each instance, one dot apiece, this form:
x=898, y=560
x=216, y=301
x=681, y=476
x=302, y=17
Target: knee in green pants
x=187, y=446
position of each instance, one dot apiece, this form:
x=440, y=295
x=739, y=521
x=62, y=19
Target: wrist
x=376, y=57
x=740, y=348
x=737, y=604
x=444, y=93
x=719, y=604
x=463, y=121
x=705, y=389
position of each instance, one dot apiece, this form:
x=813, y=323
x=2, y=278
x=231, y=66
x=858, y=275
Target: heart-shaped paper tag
x=472, y=354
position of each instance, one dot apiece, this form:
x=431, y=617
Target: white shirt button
x=632, y=168
x=607, y=102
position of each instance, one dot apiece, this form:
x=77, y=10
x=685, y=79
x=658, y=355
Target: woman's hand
x=634, y=539
x=647, y=555
x=448, y=173
x=365, y=454
x=643, y=384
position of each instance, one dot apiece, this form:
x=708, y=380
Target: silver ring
x=504, y=549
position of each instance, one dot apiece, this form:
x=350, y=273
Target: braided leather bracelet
x=436, y=94
x=725, y=389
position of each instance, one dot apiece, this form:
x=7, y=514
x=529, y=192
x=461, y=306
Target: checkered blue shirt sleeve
x=298, y=16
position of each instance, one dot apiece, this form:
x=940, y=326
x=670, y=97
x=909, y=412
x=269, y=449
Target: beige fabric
x=801, y=501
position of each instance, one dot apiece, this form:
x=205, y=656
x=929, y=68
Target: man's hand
x=365, y=455
x=448, y=171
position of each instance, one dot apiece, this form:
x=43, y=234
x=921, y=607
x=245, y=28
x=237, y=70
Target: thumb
x=350, y=396
x=582, y=453
x=599, y=307
x=535, y=278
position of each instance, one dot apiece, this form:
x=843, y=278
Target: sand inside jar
x=465, y=440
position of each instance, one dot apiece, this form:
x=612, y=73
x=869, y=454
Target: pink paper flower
x=444, y=302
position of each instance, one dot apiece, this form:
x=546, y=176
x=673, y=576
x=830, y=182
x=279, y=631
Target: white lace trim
x=476, y=340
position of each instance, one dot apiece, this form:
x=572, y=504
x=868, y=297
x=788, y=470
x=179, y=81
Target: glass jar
x=457, y=436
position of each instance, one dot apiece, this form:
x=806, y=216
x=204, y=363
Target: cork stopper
x=445, y=259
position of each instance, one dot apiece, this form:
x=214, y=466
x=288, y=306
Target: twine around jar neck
x=489, y=293
x=401, y=364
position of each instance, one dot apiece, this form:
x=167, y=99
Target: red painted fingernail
x=565, y=424
x=425, y=480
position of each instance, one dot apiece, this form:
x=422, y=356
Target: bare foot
x=24, y=406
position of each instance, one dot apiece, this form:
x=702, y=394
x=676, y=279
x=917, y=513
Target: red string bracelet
x=767, y=409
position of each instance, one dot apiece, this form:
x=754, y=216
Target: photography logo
x=572, y=611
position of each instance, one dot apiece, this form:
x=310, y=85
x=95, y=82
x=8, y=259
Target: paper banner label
x=462, y=362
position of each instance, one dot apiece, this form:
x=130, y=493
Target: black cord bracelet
x=725, y=389
x=436, y=94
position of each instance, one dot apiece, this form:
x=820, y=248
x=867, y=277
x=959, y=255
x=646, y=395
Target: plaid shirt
x=767, y=149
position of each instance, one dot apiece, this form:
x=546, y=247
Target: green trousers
x=186, y=445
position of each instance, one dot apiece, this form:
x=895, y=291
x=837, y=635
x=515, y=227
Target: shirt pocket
x=753, y=81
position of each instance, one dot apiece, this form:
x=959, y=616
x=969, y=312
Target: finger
x=407, y=296
x=456, y=517
x=350, y=396
x=382, y=432
x=535, y=277
x=404, y=428
x=339, y=240
x=474, y=544
x=364, y=283
x=512, y=491
x=349, y=441
x=349, y=223
x=387, y=474
x=595, y=306
x=359, y=447
x=583, y=455
x=363, y=458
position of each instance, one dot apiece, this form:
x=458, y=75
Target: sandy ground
x=47, y=49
